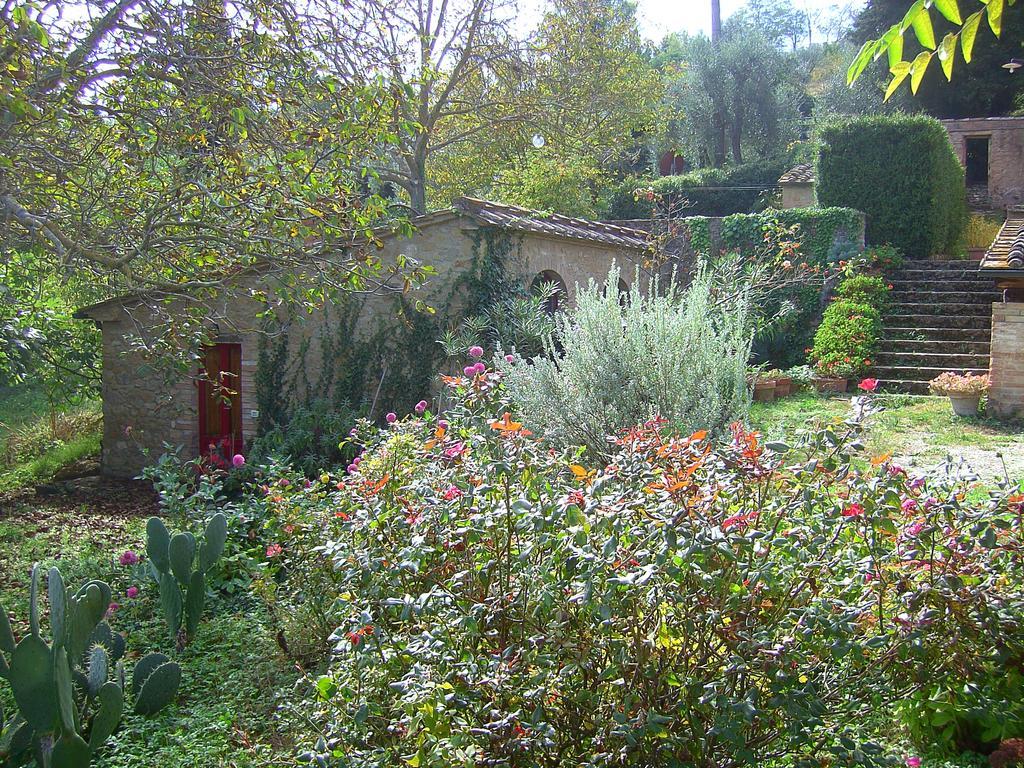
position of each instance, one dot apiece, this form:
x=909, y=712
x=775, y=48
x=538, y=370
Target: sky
x=661, y=17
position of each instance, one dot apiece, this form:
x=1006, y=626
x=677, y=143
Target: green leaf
x=968, y=34
x=31, y=681
x=995, y=16
x=864, y=57
x=947, y=54
x=70, y=751
x=895, y=51
x=950, y=9
x=6, y=633
x=911, y=15
x=918, y=68
x=923, y=29
x=899, y=74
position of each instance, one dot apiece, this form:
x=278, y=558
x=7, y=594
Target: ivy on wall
x=390, y=366
x=820, y=229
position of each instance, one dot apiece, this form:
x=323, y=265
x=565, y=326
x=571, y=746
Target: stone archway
x=556, y=301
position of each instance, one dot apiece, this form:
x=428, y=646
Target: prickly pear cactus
x=179, y=568
x=67, y=705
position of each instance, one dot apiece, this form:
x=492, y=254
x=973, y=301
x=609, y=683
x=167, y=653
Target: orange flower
x=506, y=425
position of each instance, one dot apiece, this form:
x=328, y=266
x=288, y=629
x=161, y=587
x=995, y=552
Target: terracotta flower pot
x=976, y=254
x=965, y=405
x=783, y=386
x=764, y=391
x=825, y=384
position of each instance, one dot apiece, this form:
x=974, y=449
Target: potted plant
x=783, y=382
x=832, y=376
x=979, y=235
x=964, y=391
x=763, y=386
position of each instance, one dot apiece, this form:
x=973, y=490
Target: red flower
x=274, y=550
x=854, y=510
x=868, y=385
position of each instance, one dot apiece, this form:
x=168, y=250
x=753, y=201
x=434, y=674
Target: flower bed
x=500, y=603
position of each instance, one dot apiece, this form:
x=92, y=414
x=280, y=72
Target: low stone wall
x=1006, y=393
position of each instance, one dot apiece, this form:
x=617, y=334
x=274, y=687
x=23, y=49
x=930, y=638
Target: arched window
x=554, y=284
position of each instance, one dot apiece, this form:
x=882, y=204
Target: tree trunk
x=737, y=119
x=718, y=119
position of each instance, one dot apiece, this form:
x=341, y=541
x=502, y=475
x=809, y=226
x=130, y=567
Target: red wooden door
x=220, y=401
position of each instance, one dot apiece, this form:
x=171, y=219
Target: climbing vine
x=387, y=366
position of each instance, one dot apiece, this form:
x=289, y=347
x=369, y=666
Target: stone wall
x=147, y=405
x=1006, y=393
x=798, y=195
x=1005, y=155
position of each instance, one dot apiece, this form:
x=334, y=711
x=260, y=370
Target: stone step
x=890, y=373
x=928, y=295
x=901, y=385
x=944, y=309
x=901, y=333
x=959, y=285
x=948, y=360
x=933, y=346
x=936, y=265
x=976, y=322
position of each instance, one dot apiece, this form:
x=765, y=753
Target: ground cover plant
x=689, y=602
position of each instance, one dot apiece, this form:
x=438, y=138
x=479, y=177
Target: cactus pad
x=31, y=679
x=104, y=723
x=70, y=751
x=159, y=689
x=181, y=553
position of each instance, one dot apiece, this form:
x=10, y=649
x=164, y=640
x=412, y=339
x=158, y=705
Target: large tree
x=451, y=64
x=159, y=146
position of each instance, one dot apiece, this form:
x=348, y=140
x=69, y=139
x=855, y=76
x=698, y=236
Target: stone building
x=146, y=406
x=991, y=150
x=797, y=186
x=1004, y=262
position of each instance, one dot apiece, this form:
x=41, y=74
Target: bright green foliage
x=180, y=572
x=901, y=171
x=847, y=338
x=919, y=18
x=699, y=193
x=613, y=362
x=67, y=707
x=500, y=598
x=865, y=289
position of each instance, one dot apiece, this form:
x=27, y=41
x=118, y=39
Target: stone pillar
x=1006, y=393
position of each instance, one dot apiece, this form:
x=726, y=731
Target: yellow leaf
x=918, y=68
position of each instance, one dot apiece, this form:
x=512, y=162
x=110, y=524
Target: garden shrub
x=308, y=439
x=706, y=192
x=865, y=289
x=689, y=603
x=681, y=354
x=847, y=338
x=902, y=172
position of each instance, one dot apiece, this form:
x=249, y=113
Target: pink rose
x=510, y=358
x=391, y=418
x=132, y=592
x=129, y=558
x=913, y=762
x=238, y=461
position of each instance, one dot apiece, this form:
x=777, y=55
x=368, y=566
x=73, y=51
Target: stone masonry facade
x=147, y=408
x=1005, y=137
x=1006, y=391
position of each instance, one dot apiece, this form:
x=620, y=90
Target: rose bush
x=498, y=602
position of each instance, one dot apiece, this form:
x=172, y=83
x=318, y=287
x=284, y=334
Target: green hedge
x=902, y=172
x=820, y=230
x=704, y=190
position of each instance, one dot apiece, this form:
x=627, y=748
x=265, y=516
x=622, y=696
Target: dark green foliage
x=901, y=171
x=865, y=289
x=64, y=696
x=707, y=192
x=307, y=439
x=158, y=689
x=847, y=338
x=181, y=574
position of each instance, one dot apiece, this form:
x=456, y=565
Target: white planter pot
x=965, y=405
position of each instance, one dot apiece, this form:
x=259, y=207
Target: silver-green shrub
x=611, y=363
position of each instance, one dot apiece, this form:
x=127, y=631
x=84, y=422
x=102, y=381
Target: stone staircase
x=941, y=320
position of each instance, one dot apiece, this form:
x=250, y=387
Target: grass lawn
x=918, y=431
x=234, y=675
x=34, y=448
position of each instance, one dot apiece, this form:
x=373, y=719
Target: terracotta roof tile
x=798, y=174
x=1007, y=250
x=526, y=220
